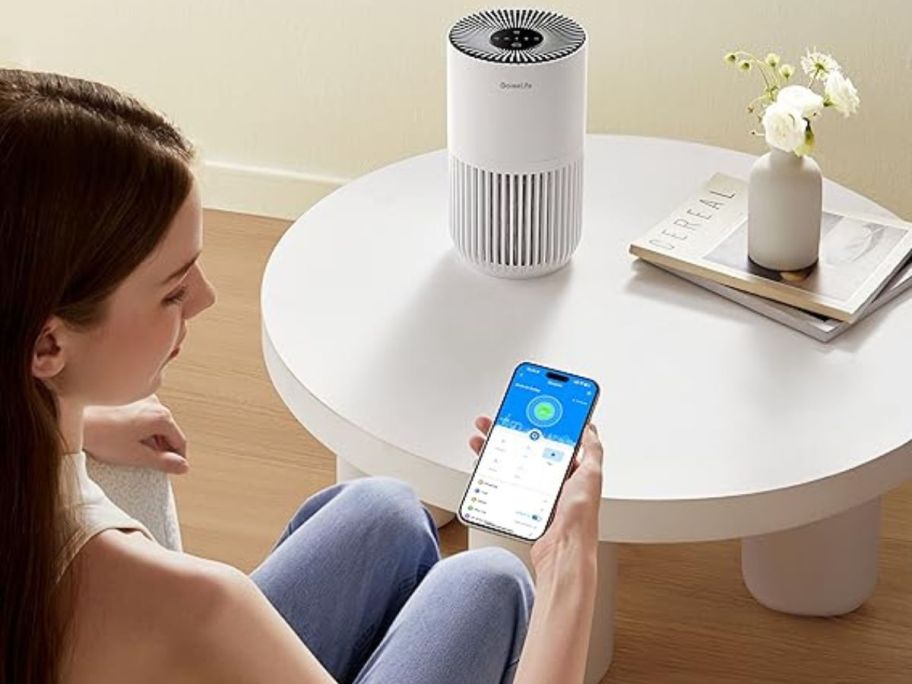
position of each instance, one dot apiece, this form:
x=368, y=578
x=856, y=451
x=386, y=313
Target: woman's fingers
x=167, y=427
x=483, y=423
x=162, y=456
x=173, y=463
x=593, y=445
x=590, y=448
x=589, y=470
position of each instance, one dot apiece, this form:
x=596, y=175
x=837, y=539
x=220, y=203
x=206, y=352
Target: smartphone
x=528, y=452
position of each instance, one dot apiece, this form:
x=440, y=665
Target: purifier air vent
x=515, y=224
x=517, y=36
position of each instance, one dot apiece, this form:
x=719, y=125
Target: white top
x=717, y=422
x=86, y=510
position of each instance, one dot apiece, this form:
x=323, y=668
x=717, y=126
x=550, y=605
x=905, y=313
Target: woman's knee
x=390, y=509
x=381, y=497
x=499, y=580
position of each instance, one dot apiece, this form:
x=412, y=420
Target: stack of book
x=864, y=261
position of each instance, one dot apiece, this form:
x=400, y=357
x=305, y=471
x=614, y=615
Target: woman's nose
x=209, y=292
x=205, y=297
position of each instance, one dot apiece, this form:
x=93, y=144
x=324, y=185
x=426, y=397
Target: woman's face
x=122, y=359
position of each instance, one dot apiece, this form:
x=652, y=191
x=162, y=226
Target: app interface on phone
x=519, y=474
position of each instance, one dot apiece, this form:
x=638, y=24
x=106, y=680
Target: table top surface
x=373, y=314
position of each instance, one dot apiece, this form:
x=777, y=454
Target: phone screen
x=528, y=452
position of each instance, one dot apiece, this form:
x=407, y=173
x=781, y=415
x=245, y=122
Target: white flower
x=819, y=65
x=784, y=127
x=805, y=100
x=842, y=93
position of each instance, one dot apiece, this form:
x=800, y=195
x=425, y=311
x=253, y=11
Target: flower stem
x=762, y=66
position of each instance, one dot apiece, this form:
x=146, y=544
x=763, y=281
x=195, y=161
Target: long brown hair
x=90, y=179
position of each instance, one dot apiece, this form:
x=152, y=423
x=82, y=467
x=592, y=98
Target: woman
x=100, y=237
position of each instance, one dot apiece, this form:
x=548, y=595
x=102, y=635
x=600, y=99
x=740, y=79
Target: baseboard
x=261, y=191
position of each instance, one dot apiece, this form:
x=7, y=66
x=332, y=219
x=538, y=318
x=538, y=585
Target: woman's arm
x=558, y=638
x=242, y=638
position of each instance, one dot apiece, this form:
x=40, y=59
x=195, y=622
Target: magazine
x=707, y=237
x=819, y=327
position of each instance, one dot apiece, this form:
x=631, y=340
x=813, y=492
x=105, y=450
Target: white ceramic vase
x=784, y=204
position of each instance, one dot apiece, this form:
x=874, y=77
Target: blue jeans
x=358, y=576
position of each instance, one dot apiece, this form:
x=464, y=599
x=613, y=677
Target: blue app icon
x=553, y=455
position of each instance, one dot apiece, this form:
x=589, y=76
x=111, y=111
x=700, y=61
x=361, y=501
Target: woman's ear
x=49, y=357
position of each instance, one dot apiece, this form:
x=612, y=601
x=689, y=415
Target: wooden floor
x=684, y=614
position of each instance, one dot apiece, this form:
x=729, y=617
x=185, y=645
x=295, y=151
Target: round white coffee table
x=717, y=423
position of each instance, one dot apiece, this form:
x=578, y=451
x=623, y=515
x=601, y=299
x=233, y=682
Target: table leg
x=346, y=471
x=601, y=641
x=824, y=568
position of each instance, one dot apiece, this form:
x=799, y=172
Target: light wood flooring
x=684, y=614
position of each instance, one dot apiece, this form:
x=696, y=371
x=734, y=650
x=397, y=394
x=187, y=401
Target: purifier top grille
x=517, y=36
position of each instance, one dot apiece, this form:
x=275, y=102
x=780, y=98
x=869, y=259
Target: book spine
x=758, y=289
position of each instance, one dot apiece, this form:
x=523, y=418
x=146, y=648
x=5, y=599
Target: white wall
x=286, y=100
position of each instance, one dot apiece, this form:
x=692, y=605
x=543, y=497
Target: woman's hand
x=565, y=559
x=573, y=532
x=142, y=434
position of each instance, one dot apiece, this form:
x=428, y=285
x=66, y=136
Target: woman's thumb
x=171, y=462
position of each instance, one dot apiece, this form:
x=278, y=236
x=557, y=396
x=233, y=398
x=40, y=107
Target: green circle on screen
x=544, y=411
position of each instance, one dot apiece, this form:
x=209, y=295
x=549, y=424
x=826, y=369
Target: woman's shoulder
x=113, y=551
x=151, y=614
x=140, y=606
x=127, y=568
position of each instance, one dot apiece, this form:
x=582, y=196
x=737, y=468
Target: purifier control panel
x=516, y=38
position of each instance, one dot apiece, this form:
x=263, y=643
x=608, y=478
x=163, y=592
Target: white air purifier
x=516, y=123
